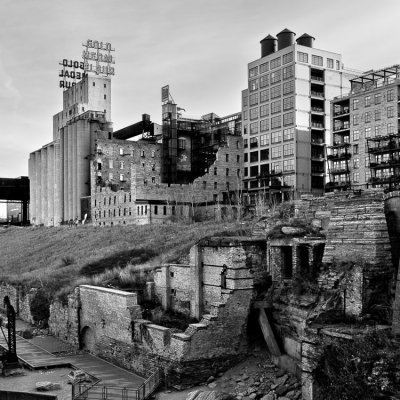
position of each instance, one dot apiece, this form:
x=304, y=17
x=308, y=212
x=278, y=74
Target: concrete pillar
x=83, y=162
x=50, y=185
x=64, y=173
x=74, y=171
x=32, y=187
x=70, y=172
x=196, y=306
x=39, y=200
x=58, y=185
x=44, y=186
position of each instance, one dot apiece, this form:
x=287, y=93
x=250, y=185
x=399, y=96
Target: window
x=288, y=119
x=288, y=72
x=356, y=162
x=253, y=72
x=254, y=156
x=254, y=113
x=377, y=130
x=153, y=153
x=245, y=101
x=121, y=177
x=237, y=158
x=276, y=167
x=275, y=63
x=226, y=157
x=302, y=57
x=110, y=176
x=215, y=171
x=390, y=129
x=264, y=67
x=390, y=95
x=355, y=119
x=253, y=142
x=121, y=151
x=316, y=60
x=356, y=135
x=253, y=99
x=275, y=107
x=121, y=165
x=288, y=133
x=378, y=115
x=276, y=122
x=288, y=165
x=264, y=95
x=329, y=63
x=276, y=152
x=288, y=149
x=254, y=170
x=288, y=87
x=153, y=179
x=94, y=83
x=337, y=64
x=264, y=125
x=356, y=104
x=367, y=117
x=246, y=157
x=111, y=163
x=245, y=143
x=275, y=77
x=264, y=139
x=367, y=101
x=253, y=85
x=275, y=92
x=264, y=81
x=143, y=153
x=105, y=97
x=356, y=177
x=264, y=110
x=253, y=128
x=264, y=155
x=390, y=112
x=378, y=98
x=287, y=58
x=276, y=137
x=288, y=103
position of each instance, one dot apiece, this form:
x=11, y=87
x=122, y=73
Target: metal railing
x=96, y=391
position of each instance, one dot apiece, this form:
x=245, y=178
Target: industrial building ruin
x=186, y=168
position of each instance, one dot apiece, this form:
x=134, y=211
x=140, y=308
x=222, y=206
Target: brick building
x=366, y=150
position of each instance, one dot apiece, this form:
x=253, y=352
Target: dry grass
x=61, y=258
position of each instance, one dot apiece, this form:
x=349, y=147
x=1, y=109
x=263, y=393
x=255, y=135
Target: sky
x=200, y=48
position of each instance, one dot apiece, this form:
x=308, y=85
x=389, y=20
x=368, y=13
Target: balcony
x=339, y=144
x=338, y=171
x=317, y=141
x=385, y=164
x=317, y=110
x=319, y=95
x=341, y=127
x=317, y=125
x=342, y=111
x=384, y=179
x=317, y=79
x=390, y=147
x=337, y=185
x=339, y=156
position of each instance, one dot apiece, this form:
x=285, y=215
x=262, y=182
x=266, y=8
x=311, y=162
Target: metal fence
x=96, y=391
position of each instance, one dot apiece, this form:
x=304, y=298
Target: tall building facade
x=365, y=152
x=59, y=172
x=286, y=116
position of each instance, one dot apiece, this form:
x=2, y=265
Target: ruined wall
x=64, y=319
x=19, y=300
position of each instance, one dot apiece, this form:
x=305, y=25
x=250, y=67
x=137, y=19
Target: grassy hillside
x=60, y=258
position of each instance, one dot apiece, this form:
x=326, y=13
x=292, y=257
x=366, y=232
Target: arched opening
x=88, y=339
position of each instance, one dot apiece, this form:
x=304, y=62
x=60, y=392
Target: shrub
x=363, y=368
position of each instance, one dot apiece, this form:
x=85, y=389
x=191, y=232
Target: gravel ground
x=26, y=382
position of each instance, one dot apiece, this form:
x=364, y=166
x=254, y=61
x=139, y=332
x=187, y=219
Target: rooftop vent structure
x=285, y=39
x=268, y=46
x=305, y=40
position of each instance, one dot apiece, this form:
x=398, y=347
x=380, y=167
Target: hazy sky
x=200, y=48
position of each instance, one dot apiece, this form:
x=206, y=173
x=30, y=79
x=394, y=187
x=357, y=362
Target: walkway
x=37, y=353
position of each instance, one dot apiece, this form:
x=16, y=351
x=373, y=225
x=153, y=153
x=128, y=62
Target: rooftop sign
x=97, y=58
